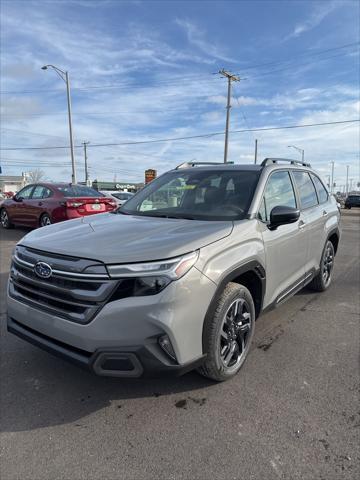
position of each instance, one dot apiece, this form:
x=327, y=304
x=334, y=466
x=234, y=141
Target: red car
x=45, y=203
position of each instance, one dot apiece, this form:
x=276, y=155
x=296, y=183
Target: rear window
x=79, y=191
x=321, y=190
x=122, y=196
x=306, y=189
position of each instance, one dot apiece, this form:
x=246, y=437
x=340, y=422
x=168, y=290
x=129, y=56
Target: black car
x=352, y=201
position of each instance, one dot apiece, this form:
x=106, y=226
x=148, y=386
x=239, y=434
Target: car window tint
x=306, y=189
x=262, y=211
x=202, y=194
x=79, y=191
x=321, y=190
x=278, y=192
x=38, y=192
x=25, y=192
x=47, y=192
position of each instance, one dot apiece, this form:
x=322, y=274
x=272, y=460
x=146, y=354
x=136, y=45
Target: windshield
x=200, y=195
x=79, y=191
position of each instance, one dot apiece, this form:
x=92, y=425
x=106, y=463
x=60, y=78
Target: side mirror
x=283, y=215
x=17, y=199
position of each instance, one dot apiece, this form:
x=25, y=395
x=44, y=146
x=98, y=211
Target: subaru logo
x=43, y=270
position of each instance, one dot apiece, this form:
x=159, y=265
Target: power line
x=193, y=77
x=301, y=54
x=110, y=114
x=190, y=137
x=295, y=64
x=126, y=85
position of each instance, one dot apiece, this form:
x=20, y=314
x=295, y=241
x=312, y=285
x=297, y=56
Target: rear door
x=314, y=215
x=35, y=204
x=285, y=247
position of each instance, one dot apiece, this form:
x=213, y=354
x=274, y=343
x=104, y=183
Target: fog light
x=165, y=344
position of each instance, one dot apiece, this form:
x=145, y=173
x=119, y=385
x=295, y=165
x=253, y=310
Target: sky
x=147, y=70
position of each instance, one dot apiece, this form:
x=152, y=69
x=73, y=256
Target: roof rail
x=195, y=164
x=277, y=160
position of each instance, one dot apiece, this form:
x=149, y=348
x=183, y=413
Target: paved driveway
x=292, y=412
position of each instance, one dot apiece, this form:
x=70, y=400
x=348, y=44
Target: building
x=121, y=186
x=12, y=183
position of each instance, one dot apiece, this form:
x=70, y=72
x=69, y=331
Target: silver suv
x=175, y=279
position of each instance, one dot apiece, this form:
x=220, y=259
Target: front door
x=18, y=211
x=286, y=247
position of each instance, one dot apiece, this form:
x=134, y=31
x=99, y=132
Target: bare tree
x=36, y=175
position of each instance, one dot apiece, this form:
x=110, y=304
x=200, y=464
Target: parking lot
x=291, y=413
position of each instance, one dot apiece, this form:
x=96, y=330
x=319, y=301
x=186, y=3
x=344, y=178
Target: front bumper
x=125, y=332
x=129, y=362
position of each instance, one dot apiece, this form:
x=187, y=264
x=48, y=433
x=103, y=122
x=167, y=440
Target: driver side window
x=25, y=192
x=278, y=191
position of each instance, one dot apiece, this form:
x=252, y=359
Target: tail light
x=73, y=204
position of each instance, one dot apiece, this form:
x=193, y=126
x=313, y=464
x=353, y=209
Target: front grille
x=68, y=292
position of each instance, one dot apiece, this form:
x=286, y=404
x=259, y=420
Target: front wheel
x=323, y=279
x=228, y=333
x=5, y=220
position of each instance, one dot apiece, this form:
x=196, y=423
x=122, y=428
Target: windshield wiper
x=168, y=215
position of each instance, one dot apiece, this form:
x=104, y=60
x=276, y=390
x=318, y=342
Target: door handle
x=40, y=203
x=324, y=213
x=302, y=224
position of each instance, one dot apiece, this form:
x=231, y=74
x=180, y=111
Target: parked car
x=352, y=201
x=177, y=286
x=119, y=197
x=45, y=203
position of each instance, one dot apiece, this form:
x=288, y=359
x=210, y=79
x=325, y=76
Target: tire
x=323, y=279
x=45, y=220
x=4, y=219
x=225, y=331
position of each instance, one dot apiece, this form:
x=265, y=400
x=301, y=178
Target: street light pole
x=300, y=150
x=65, y=77
x=347, y=179
x=332, y=177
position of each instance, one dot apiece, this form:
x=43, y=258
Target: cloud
x=197, y=37
x=319, y=13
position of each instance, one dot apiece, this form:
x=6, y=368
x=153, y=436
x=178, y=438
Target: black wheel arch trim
x=331, y=232
x=253, y=267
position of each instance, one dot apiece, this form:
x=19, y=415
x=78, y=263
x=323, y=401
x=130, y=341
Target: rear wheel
x=45, y=220
x=227, y=335
x=4, y=219
x=323, y=279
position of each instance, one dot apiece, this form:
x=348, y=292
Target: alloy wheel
x=328, y=263
x=45, y=220
x=235, y=333
x=4, y=219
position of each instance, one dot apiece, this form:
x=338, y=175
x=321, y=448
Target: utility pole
x=231, y=78
x=332, y=177
x=85, y=163
x=347, y=179
x=255, y=150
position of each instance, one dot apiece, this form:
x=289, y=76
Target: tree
x=35, y=176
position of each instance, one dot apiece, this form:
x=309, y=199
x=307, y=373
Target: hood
x=116, y=238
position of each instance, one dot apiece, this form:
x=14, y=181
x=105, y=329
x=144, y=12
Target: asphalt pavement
x=291, y=413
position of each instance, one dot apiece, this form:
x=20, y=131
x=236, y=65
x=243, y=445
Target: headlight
x=139, y=287
x=173, y=268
